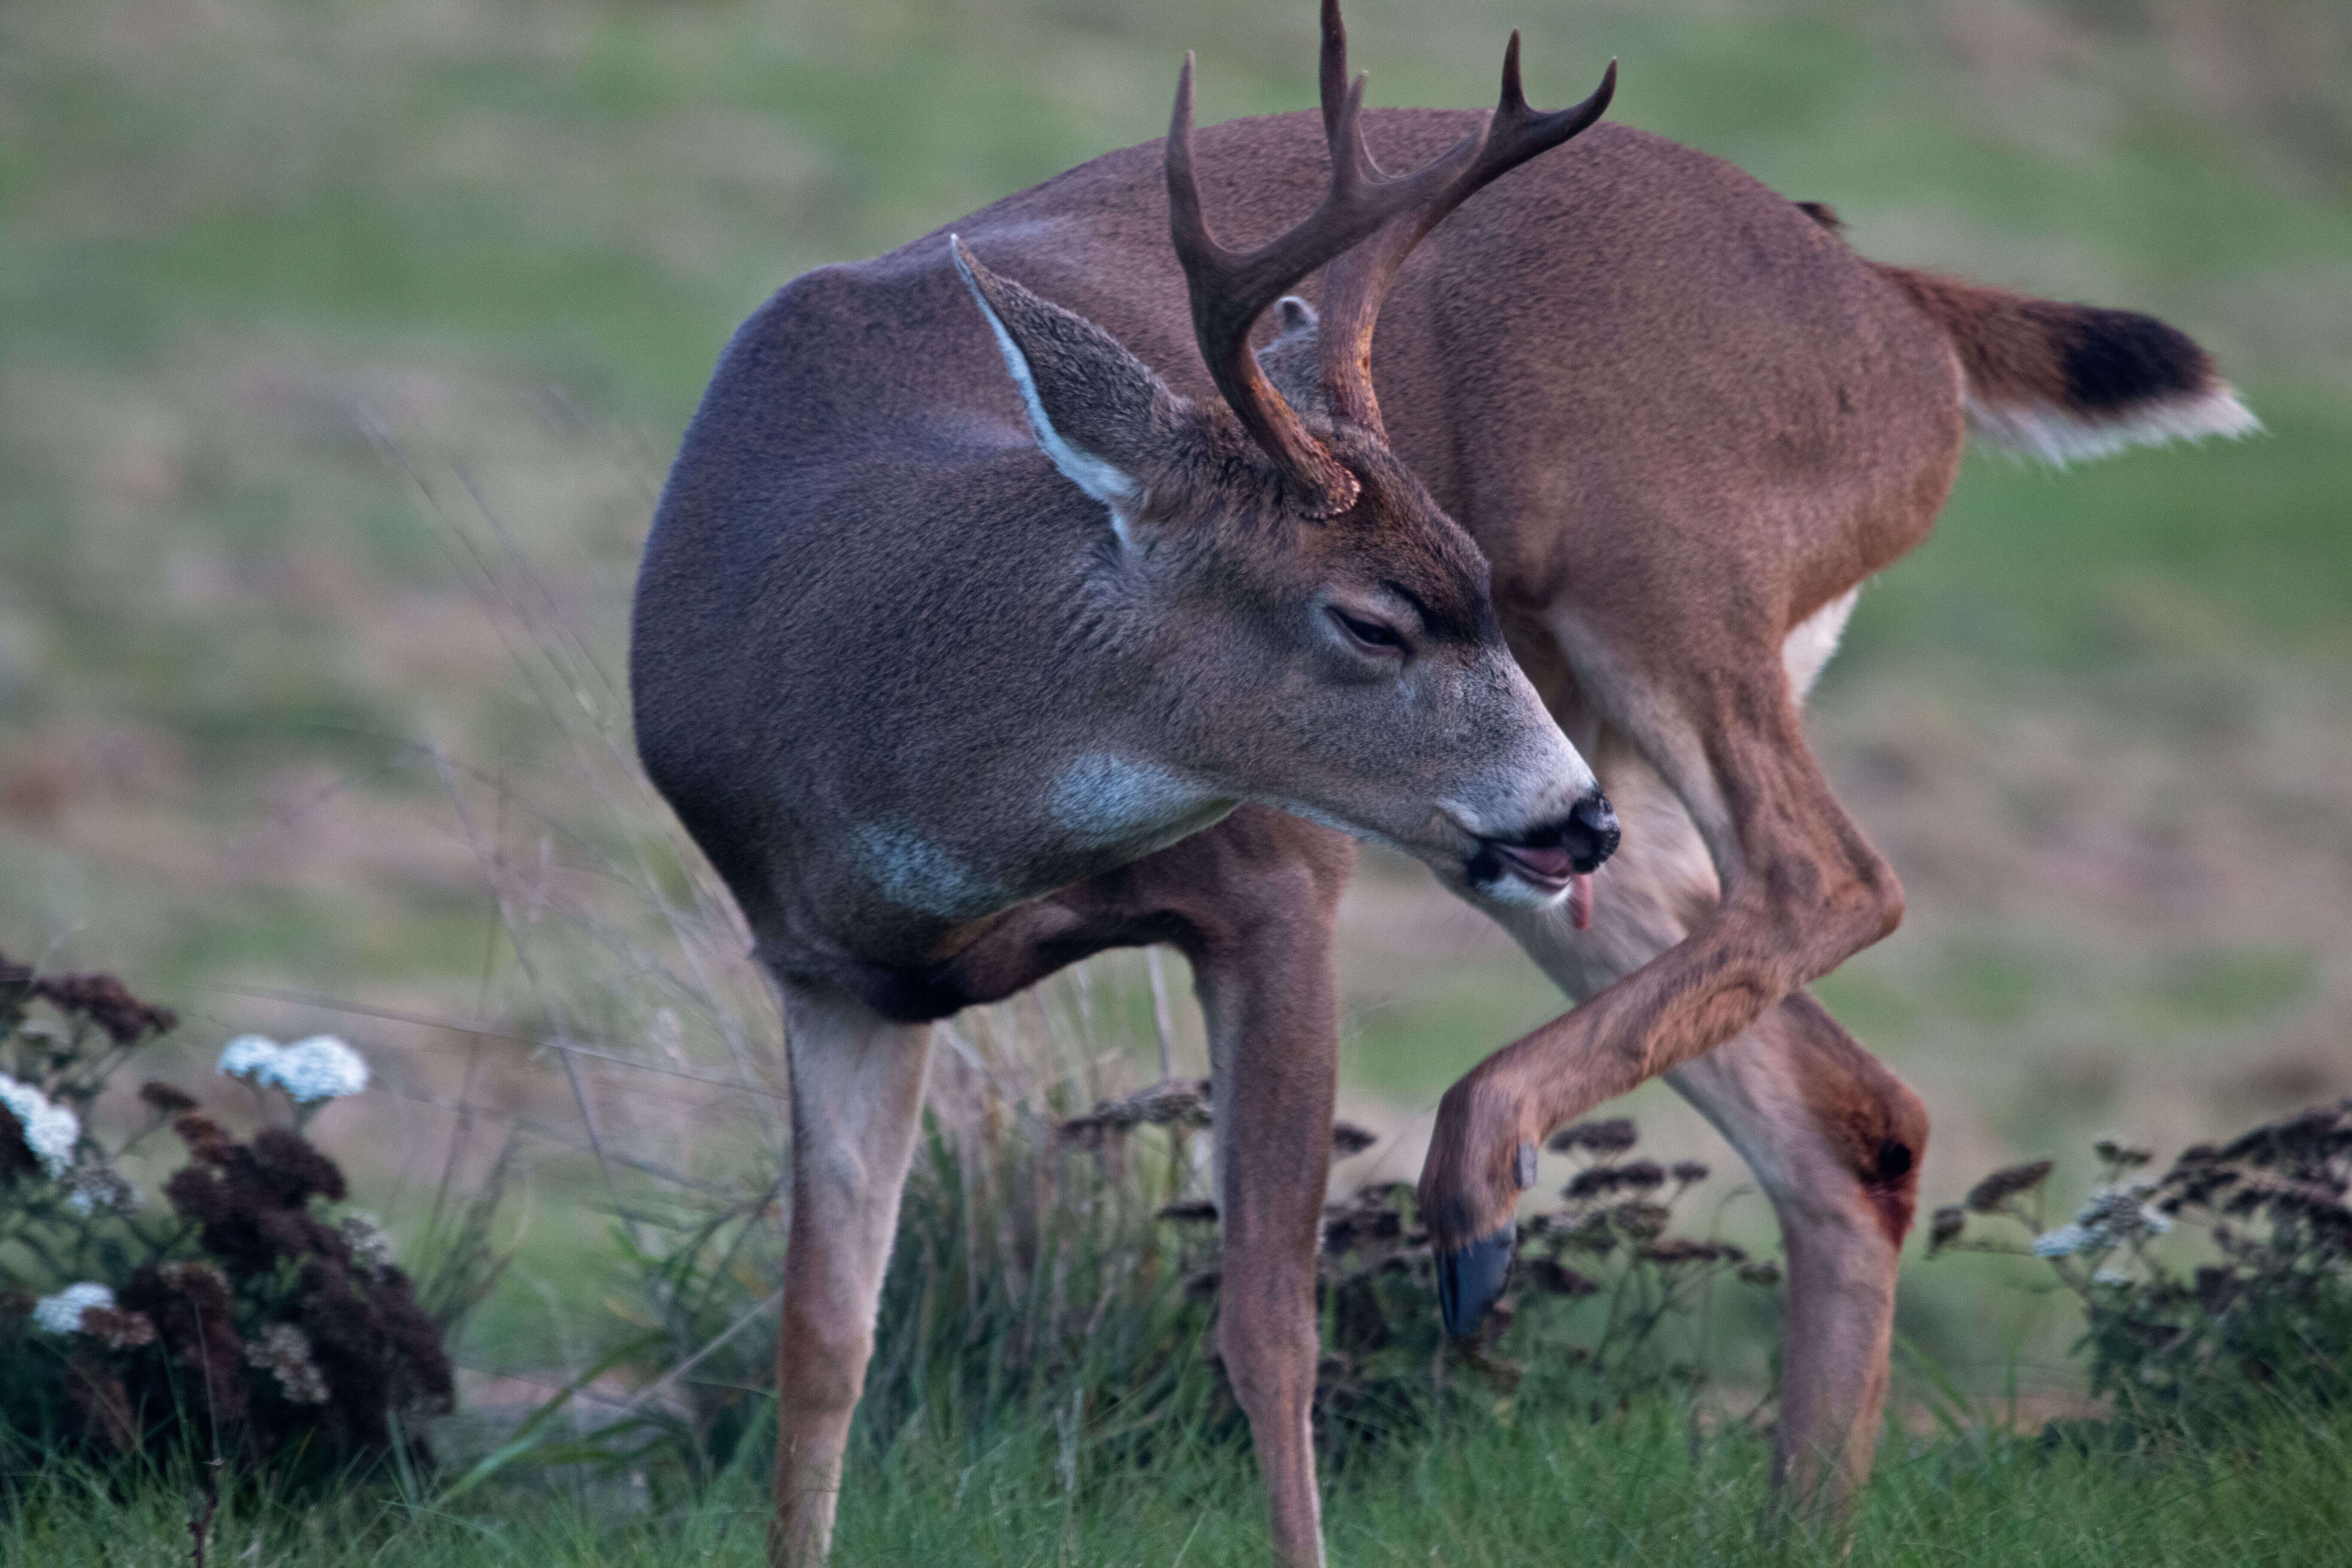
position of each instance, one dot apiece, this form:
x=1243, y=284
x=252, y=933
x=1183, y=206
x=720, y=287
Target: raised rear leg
x=1833, y=1137
x=1251, y=904
x=857, y=1092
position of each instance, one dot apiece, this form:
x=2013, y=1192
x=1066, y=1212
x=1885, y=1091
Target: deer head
x=1312, y=630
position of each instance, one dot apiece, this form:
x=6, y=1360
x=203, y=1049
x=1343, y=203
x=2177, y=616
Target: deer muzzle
x=1548, y=858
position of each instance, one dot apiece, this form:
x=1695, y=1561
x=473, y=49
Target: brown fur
x=1677, y=414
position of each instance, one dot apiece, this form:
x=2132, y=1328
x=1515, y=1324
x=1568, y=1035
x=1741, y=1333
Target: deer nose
x=1591, y=832
x=1586, y=837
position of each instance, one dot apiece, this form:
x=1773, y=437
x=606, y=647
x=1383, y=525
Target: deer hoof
x=1470, y=1278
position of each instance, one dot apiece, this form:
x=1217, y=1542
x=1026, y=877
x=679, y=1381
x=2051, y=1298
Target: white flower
x=2111, y=1277
x=320, y=1068
x=248, y=1055
x=50, y=1131
x=2064, y=1242
x=61, y=1313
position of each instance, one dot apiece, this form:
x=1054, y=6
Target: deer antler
x=1359, y=280
x=1230, y=289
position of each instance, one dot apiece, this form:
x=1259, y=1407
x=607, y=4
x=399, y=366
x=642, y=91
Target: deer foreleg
x=857, y=1090
x=1802, y=890
x=1268, y=995
x=1833, y=1137
x=1251, y=903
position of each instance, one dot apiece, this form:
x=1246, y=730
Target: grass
x=1536, y=1488
x=2098, y=721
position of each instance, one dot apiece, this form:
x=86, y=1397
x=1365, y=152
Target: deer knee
x=1269, y=1358
x=821, y=1367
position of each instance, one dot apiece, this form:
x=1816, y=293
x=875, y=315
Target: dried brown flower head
x=293, y=1167
x=207, y=1140
x=168, y=1099
x=190, y=1305
x=1613, y=1136
x=2005, y=1184
x=107, y=1002
x=118, y=1329
x=1677, y=1249
x=1639, y=1221
x=1177, y=1102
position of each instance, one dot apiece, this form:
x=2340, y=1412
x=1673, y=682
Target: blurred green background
x=342, y=345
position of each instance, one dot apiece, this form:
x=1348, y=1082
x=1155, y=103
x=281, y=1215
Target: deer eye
x=1370, y=635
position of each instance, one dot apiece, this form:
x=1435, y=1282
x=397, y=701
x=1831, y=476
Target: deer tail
x=2061, y=381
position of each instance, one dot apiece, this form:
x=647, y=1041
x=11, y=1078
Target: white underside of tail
x=2060, y=435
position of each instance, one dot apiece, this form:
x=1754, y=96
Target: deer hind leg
x=858, y=1091
x=1833, y=1137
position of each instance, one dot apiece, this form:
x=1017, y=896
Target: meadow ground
x=1640, y=1489
x=341, y=346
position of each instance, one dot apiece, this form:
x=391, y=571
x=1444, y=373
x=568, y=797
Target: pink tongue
x=1579, y=901
x=1549, y=861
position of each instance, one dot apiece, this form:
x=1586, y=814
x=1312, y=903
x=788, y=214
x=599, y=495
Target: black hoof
x=1469, y=1281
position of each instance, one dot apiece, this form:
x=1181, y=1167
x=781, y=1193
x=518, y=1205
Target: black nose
x=1589, y=832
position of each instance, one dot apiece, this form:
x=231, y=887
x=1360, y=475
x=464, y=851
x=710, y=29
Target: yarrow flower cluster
x=50, y=1131
x=61, y=1313
x=2109, y=1217
x=320, y=1068
x=246, y=1055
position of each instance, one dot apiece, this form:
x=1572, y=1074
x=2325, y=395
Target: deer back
x=1606, y=365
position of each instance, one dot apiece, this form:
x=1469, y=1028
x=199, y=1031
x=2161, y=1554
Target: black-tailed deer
x=977, y=634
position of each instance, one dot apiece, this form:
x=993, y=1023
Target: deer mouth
x=1547, y=867
x=1548, y=870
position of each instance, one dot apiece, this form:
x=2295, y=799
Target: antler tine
x=1358, y=281
x=1230, y=290
x=1518, y=134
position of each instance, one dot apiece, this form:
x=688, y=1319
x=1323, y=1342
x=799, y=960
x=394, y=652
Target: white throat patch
x=1101, y=800
x=914, y=872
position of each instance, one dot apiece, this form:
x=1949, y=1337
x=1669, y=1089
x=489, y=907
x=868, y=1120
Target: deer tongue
x=1579, y=900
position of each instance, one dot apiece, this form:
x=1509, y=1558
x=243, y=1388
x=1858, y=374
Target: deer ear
x=1289, y=361
x=1101, y=414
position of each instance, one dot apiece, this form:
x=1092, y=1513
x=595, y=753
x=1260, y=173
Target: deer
x=1069, y=579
